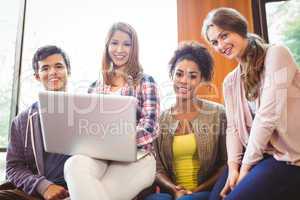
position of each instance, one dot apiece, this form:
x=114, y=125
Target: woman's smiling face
x=119, y=48
x=228, y=43
x=186, y=78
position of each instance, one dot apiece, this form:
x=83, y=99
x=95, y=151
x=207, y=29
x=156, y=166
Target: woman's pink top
x=276, y=126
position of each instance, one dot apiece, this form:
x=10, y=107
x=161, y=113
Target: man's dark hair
x=44, y=52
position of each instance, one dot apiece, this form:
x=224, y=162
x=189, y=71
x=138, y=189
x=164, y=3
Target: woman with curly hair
x=190, y=151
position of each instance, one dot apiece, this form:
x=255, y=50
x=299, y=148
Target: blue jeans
x=268, y=180
x=166, y=196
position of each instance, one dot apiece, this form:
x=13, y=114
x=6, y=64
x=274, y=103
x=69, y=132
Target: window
x=278, y=21
x=80, y=28
x=283, y=20
x=9, y=12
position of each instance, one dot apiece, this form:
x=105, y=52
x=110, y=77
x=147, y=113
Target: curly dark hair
x=196, y=52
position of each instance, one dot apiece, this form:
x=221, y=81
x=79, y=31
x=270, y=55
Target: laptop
x=97, y=125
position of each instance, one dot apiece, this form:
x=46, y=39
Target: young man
x=37, y=174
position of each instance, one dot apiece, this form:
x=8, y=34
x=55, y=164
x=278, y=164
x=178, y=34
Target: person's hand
x=233, y=176
x=55, y=192
x=244, y=171
x=180, y=191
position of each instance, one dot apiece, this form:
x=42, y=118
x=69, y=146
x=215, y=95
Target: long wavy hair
x=134, y=70
x=254, y=55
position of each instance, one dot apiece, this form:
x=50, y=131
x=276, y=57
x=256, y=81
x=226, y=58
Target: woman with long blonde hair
x=122, y=74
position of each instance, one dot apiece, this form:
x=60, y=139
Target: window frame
x=259, y=17
x=17, y=65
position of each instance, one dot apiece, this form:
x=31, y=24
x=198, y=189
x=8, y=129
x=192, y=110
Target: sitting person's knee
x=80, y=164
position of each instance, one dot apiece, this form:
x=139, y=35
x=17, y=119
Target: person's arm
x=221, y=157
x=233, y=142
x=280, y=70
x=17, y=171
x=162, y=176
x=147, y=127
x=165, y=182
x=232, y=179
x=210, y=182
